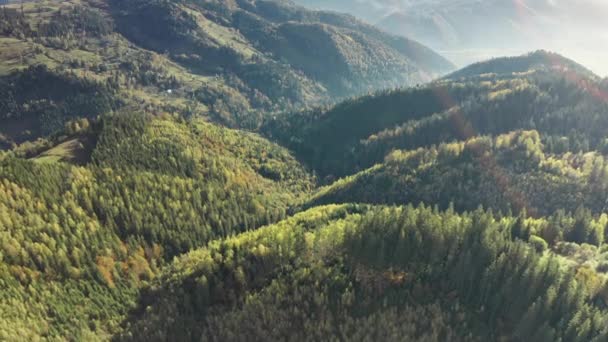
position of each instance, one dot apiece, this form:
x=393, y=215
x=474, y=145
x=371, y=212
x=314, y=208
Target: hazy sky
x=479, y=29
x=577, y=29
x=580, y=31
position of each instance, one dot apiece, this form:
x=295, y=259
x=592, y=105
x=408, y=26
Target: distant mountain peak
x=468, y=31
x=540, y=60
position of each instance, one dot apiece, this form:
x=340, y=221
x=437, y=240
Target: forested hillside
x=364, y=273
x=563, y=101
x=78, y=241
x=232, y=61
x=510, y=173
x=179, y=171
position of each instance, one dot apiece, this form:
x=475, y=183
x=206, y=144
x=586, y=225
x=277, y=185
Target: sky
x=582, y=27
x=474, y=30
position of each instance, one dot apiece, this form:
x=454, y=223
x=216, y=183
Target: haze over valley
x=467, y=31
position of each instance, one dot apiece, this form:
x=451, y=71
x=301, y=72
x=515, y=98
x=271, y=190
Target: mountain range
x=252, y=170
x=229, y=61
x=468, y=31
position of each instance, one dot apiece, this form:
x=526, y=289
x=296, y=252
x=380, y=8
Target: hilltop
x=81, y=240
x=533, y=62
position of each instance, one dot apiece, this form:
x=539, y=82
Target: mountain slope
x=561, y=100
x=139, y=216
x=345, y=56
x=231, y=61
x=358, y=273
x=78, y=242
x=100, y=239
x=509, y=173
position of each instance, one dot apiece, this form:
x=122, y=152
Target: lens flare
x=487, y=163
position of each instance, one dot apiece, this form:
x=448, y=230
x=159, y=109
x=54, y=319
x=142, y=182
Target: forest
x=360, y=273
x=567, y=109
x=153, y=189
x=234, y=63
x=253, y=170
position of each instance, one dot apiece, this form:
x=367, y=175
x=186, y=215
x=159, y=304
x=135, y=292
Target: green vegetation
x=78, y=241
x=508, y=173
x=274, y=53
x=38, y=102
x=537, y=61
x=472, y=208
x=232, y=62
x=353, y=272
x=566, y=107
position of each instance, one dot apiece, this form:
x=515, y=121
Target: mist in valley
x=467, y=31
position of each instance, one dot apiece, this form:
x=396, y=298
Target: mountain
x=536, y=61
x=539, y=91
x=165, y=175
x=230, y=61
x=302, y=39
x=468, y=31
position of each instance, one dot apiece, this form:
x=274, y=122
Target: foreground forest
x=470, y=208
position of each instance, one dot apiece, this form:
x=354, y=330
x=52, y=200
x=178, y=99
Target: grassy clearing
x=12, y=53
x=224, y=36
x=72, y=151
